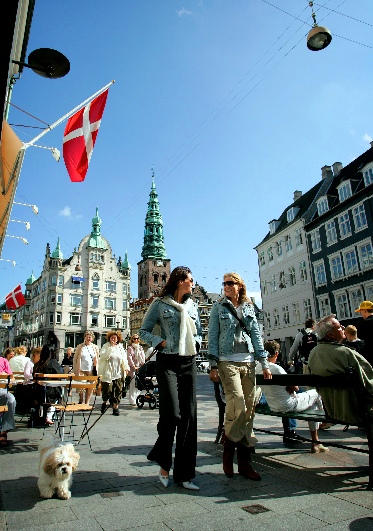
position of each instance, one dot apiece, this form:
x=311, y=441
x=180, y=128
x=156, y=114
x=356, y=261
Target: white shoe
x=189, y=485
x=164, y=480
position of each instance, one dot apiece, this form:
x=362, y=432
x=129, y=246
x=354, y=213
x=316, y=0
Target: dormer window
x=344, y=191
x=273, y=226
x=291, y=213
x=368, y=174
x=322, y=205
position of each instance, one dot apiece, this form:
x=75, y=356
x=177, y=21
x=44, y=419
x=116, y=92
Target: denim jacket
x=168, y=319
x=222, y=327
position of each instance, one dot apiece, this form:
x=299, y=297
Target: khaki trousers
x=238, y=380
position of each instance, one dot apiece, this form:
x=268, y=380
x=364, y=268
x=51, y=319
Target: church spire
x=153, y=233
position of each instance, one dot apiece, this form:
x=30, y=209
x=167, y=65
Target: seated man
x=284, y=399
x=329, y=357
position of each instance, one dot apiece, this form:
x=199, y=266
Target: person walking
x=135, y=358
x=85, y=361
x=179, y=340
x=234, y=344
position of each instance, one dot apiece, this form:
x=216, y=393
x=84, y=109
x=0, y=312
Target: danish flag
x=15, y=299
x=80, y=137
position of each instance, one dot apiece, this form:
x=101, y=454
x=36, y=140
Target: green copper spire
x=57, y=253
x=153, y=233
x=31, y=279
x=96, y=239
x=125, y=263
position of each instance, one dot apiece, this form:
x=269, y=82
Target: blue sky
x=223, y=99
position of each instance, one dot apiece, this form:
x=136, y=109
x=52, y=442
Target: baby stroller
x=145, y=383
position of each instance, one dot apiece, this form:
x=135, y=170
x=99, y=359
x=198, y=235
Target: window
x=110, y=286
x=124, y=322
x=96, y=283
x=58, y=318
x=342, y=306
x=273, y=226
x=366, y=255
x=276, y=317
x=110, y=304
x=44, y=285
x=356, y=297
x=279, y=248
x=75, y=300
x=60, y=280
x=53, y=280
x=288, y=244
x=299, y=236
x=270, y=254
x=315, y=241
x=125, y=289
x=53, y=298
x=110, y=321
x=336, y=267
x=285, y=314
x=282, y=280
x=75, y=318
x=320, y=275
x=322, y=205
x=324, y=306
x=344, y=225
x=303, y=271
x=291, y=213
x=261, y=258
x=368, y=292
x=296, y=312
x=293, y=279
x=94, y=319
x=94, y=301
x=273, y=284
x=51, y=318
x=155, y=278
x=368, y=175
x=360, y=219
x=125, y=305
x=307, y=309
x=265, y=288
x=344, y=191
x=331, y=232
x=268, y=319
x=350, y=259
x=59, y=298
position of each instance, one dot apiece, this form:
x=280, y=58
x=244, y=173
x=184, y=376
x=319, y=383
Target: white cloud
x=66, y=212
x=184, y=12
x=367, y=138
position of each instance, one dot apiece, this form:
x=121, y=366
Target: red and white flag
x=15, y=299
x=80, y=137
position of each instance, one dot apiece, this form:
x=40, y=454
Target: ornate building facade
x=88, y=290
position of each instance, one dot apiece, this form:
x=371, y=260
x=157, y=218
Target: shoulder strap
x=234, y=313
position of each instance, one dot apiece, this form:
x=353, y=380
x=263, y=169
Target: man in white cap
x=365, y=328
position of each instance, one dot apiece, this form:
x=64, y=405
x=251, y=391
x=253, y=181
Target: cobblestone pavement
x=116, y=488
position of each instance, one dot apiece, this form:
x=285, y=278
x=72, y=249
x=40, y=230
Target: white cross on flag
x=80, y=137
x=15, y=299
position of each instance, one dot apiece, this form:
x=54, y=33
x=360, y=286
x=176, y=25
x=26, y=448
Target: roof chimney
x=326, y=171
x=337, y=166
x=297, y=195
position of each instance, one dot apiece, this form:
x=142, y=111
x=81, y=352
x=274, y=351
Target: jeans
x=176, y=376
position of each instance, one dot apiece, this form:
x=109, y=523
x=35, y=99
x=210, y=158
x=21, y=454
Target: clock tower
x=154, y=268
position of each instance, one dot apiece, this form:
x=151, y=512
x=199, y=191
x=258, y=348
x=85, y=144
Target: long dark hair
x=45, y=357
x=177, y=274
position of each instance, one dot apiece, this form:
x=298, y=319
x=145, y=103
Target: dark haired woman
x=180, y=337
x=48, y=365
x=234, y=344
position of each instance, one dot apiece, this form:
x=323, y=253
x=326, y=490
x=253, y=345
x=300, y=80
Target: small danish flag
x=80, y=137
x=15, y=299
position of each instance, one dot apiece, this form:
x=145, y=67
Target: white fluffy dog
x=57, y=463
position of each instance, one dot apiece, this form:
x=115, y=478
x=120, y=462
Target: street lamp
x=34, y=208
x=319, y=37
x=18, y=238
x=55, y=152
x=13, y=262
x=27, y=223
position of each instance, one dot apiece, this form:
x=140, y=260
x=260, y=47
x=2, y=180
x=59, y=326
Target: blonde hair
x=89, y=333
x=352, y=330
x=20, y=351
x=242, y=296
x=117, y=333
x=35, y=350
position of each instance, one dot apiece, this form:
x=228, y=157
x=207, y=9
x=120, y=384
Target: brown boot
x=244, y=467
x=228, y=455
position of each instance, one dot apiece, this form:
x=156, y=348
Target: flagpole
x=70, y=113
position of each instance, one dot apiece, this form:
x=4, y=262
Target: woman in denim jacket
x=232, y=354
x=179, y=338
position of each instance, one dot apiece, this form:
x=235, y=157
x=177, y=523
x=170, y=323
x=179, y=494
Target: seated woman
x=18, y=361
x=284, y=399
x=7, y=418
x=49, y=395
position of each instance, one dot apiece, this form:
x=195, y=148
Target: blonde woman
x=234, y=344
x=18, y=362
x=85, y=359
x=112, y=368
x=135, y=358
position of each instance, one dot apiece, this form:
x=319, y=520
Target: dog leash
x=85, y=432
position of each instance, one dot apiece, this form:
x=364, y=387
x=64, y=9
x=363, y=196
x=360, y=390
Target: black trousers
x=176, y=376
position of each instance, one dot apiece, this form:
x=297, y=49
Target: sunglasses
x=229, y=283
x=135, y=338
